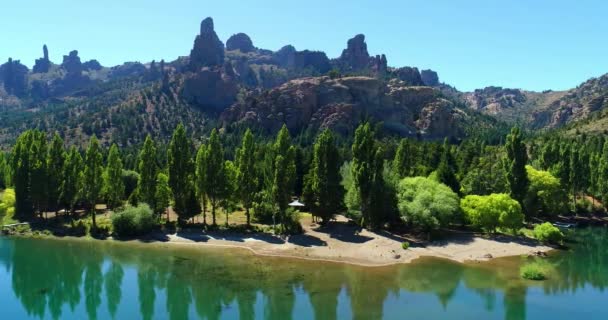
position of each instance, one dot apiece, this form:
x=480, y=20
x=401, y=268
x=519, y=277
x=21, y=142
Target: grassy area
x=536, y=270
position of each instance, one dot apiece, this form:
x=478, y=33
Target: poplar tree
x=71, y=184
x=38, y=172
x=148, y=169
x=246, y=173
x=163, y=194
x=92, y=180
x=284, y=172
x=55, y=162
x=215, y=175
x=181, y=169
x=325, y=191
x=201, y=180
x=114, y=188
x=404, y=158
x=21, y=169
x=446, y=173
x=515, y=166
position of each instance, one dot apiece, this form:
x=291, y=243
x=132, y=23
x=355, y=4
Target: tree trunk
x=213, y=213
x=248, y=218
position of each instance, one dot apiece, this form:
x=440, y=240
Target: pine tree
x=446, y=173
x=326, y=194
x=515, y=166
x=403, y=162
x=230, y=195
x=21, y=170
x=215, y=175
x=38, y=172
x=71, y=183
x=246, y=173
x=163, y=194
x=603, y=175
x=3, y=169
x=148, y=170
x=92, y=180
x=55, y=162
x=181, y=171
x=114, y=188
x=201, y=180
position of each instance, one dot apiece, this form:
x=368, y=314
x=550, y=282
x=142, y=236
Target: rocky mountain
x=228, y=85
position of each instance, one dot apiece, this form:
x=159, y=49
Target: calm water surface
x=75, y=279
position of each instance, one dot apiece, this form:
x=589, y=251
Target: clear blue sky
x=529, y=44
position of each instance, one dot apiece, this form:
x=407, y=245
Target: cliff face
x=320, y=102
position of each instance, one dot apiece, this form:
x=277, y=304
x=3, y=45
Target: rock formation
x=212, y=89
x=43, y=64
x=240, y=41
x=429, y=78
x=288, y=57
x=71, y=63
x=321, y=102
x=92, y=65
x=14, y=77
x=355, y=57
x=409, y=75
x=208, y=50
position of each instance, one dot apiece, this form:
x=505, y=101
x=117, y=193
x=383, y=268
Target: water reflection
x=72, y=279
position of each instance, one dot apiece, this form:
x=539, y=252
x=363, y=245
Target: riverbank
x=343, y=242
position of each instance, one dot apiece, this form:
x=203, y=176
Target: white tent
x=296, y=203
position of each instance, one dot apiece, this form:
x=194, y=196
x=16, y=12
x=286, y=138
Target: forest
x=378, y=181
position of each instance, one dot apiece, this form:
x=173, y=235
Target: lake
x=84, y=279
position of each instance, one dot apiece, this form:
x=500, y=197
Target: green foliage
x=215, y=174
x=486, y=175
x=603, y=175
x=492, y=211
x=246, y=173
x=7, y=205
x=446, y=172
x=426, y=204
x=201, y=178
x=515, y=166
x=55, y=161
x=263, y=207
x=181, y=171
x=548, y=233
x=148, y=169
x=545, y=195
x=405, y=245
x=533, y=271
x=130, y=180
x=403, y=164
x=72, y=180
x=162, y=195
x=283, y=174
x=28, y=166
x=92, y=176
x=291, y=222
x=113, y=188
x=134, y=221
x=324, y=194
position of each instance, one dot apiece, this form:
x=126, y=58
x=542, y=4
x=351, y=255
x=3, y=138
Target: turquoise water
x=80, y=279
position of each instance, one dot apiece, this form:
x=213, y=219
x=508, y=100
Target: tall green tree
x=215, y=175
x=515, y=166
x=201, y=179
x=284, y=173
x=325, y=191
x=114, y=187
x=3, y=169
x=148, y=170
x=246, y=173
x=163, y=194
x=181, y=172
x=403, y=164
x=92, y=180
x=55, y=161
x=446, y=172
x=21, y=170
x=39, y=173
x=603, y=175
x=71, y=183
x=230, y=194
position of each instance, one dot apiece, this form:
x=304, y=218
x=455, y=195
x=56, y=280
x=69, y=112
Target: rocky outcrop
x=288, y=57
x=411, y=76
x=355, y=57
x=208, y=50
x=128, y=69
x=245, y=74
x=14, y=77
x=43, y=64
x=320, y=102
x=493, y=100
x=71, y=63
x=429, y=78
x=241, y=42
x=211, y=89
x=92, y=65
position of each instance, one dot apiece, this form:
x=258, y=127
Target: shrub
x=7, y=204
x=533, y=271
x=291, y=224
x=426, y=204
x=492, y=211
x=263, y=207
x=548, y=233
x=545, y=194
x=133, y=221
x=405, y=245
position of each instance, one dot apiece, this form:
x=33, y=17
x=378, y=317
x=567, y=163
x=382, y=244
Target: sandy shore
x=344, y=243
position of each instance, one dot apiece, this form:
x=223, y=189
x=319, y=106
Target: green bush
x=545, y=195
x=533, y=271
x=263, y=207
x=548, y=233
x=7, y=205
x=134, y=221
x=405, y=245
x=291, y=224
x=426, y=204
x=492, y=211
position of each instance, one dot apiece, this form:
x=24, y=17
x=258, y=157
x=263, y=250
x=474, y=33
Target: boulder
x=241, y=42
x=208, y=50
